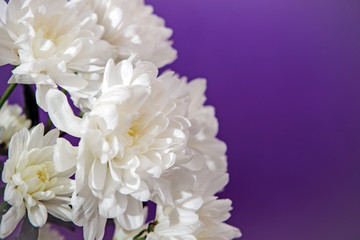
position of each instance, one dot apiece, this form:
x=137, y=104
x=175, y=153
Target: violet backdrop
x=284, y=76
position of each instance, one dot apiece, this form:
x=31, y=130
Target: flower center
x=48, y=34
x=36, y=177
x=132, y=132
x=43, y=176
x=135, y=133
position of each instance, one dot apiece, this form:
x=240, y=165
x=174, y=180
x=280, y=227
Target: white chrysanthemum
x=196, y=214
x=47, y=233
x=179, y=222
x=11, y=121
x=32, y=183
x=132, y=28
x=135, y=132
x=212, y=215
x=194, y=218
x=50, y=42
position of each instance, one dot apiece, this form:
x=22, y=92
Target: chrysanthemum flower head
x=32, y=182
x=132, y=28
x=136, y=131
x=50, y=43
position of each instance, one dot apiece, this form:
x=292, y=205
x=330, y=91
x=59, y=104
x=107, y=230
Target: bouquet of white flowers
x=143, y=137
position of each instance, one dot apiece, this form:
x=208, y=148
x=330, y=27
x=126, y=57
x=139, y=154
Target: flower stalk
x=7, y=93
x=48, y=125
x=4, y=207
x=150, y=229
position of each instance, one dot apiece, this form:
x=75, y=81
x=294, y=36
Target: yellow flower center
x=43, y=175
x=132, y=132
x=36, y=177
x=135, y=133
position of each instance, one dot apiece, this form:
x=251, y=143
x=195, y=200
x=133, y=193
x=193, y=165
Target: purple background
x=284, y=78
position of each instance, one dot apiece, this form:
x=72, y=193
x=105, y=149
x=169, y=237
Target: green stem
x=150, y=229
x=7, y=94
x=138, y=236
x=151, y=226
x=48, y=125
x=2, y=206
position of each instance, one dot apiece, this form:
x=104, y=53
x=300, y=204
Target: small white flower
x=194, y=218
x=194, y=214
x=11, y=121
x=212, y=215
x=177, y=222
x=32, y=183
x=131, y=28
x=47, y=233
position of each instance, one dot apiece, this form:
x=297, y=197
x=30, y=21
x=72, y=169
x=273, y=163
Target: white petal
x=41, y=90
x=37, y=215
x=110, y=78
x=59, y=210
x=61, y=113
x=69, y=81
x=97, y=175
x=50, y=137
x=36, y=136
x=41, y=155
x=143, y=193
x=126, y=71
x=7, y=57
x=113, y=206
x=10, y=220
x=18, y=143
x=133, y=217
x=65, y=155
x=3, y=7
x=94, y=228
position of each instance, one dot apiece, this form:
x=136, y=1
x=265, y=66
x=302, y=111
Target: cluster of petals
x=136, y=132
x=197, y=213
x=143, y=137
x=11, y=121
x=32, y=182
x=130, y=27
x=191, y=216
x=194, y=213
x=49, y=42
x=67, y=43
x=213, y=214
